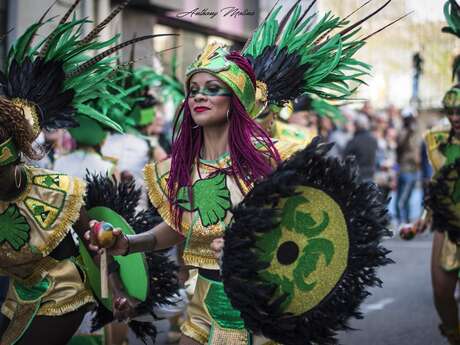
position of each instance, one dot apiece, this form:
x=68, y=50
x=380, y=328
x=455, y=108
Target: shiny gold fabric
x=46, y=211
x=434, y=138
x=293, y=133
x=450, y=255
x=202, y=328
x=197, y=251
x=60, y=199
x=67, y=291
x=17, y=327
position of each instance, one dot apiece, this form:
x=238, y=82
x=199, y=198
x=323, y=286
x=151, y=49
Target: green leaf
x=14, y=228
x=211, y=197
x=307, y=263
x=98, y=116
x=288, y=218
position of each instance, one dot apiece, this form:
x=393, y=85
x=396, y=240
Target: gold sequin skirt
x=450, y=255
x=204, y=329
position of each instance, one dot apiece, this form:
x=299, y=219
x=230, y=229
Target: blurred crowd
x=387, y=145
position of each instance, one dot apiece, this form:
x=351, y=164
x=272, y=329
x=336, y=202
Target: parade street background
x=403, y=311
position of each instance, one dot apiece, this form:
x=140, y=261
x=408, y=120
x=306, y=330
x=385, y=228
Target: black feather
x=281, y=73
x=41, y=82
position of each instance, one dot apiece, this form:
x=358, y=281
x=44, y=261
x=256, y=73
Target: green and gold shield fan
x=149, y=277
x=303, y=247
x=443, y=199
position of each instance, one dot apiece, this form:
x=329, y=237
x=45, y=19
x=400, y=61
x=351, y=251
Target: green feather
x=98, y=116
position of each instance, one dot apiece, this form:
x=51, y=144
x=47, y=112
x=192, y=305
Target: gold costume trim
x=158, y=199
x=8, y=312
x=69, y=215
x=261, y=91
x=17, y=327
x=450, y=255
x=434, y=138
x=286, y=148
x=72, y=304
x=224, y=336
x=194, y=332
x=199, y=260
x=237, y=79
x=29, y=110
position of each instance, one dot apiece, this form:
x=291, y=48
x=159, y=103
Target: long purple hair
x=249, y=163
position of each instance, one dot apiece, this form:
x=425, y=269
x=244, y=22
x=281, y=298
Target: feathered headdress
x=134, y=87
x=136, y=106
x=451, y=99
x=56, y=78
x=292, y=57
x=168, y=83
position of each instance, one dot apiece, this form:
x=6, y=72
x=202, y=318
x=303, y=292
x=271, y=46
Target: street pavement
x=402, y=312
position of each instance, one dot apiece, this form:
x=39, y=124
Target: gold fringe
x=191, y=259
x=70, y=214
x=158, y=200
x=194, y=332
x=69, y=305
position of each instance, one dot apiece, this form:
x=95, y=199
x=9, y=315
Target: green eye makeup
x=209, y=90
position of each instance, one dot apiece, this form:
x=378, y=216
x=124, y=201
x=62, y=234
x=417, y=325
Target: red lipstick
x=200, y=109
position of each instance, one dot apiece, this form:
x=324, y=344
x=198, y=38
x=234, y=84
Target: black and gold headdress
x=56, y=78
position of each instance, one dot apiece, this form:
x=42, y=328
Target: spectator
x=363, y=146
x=342, y=133
x=408, y=158
x=394, y=117
x=367, y=110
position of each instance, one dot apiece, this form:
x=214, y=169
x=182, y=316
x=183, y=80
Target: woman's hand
x=183, y=274
x=421, y=225
x=120, y=246
x=124, y=306
x=218, y=247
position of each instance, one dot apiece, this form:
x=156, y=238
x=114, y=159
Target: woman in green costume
x=42, y=87
x=443, y=146
x=219, y=151
x=441, y=201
